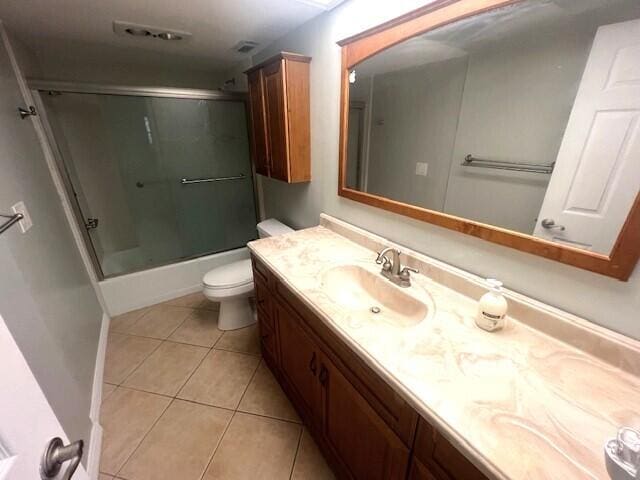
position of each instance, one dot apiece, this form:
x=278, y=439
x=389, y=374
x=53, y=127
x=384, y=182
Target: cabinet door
x=258, y=123
x=275, y=99
x=366, y=446
x=299, y=359
x=420, y=472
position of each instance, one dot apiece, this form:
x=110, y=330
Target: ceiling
x=83, y=29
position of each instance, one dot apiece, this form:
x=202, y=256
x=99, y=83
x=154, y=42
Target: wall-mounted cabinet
x=279, y=118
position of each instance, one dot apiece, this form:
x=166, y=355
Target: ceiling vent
x=245, y=46
x=137, y=30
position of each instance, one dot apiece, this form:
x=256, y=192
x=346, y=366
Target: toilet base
x=236, y=313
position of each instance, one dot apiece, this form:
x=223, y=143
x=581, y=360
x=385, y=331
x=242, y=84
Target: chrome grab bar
x=188, y=181
x=12, y=220
x=471, y=161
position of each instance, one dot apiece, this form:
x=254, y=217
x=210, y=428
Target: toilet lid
x=230, y=275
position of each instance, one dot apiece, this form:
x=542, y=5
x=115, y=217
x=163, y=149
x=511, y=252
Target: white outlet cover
x=26, y=223
x=422, y=168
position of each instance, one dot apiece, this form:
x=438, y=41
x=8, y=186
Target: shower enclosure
x=155, y=176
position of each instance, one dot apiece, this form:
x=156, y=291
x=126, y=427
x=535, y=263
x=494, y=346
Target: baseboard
x=95, y=443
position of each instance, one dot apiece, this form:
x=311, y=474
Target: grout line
x=141, y=362
x=295, y=457
x=237, y=351
x=144, y=436
x=193, y=372
x=255, y=372
x=213, y=454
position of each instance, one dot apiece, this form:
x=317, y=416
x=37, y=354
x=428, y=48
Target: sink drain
x=375, y=309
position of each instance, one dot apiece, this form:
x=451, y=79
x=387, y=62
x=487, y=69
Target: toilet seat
x=232, y=276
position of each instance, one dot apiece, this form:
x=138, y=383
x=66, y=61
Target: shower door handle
x=91, y=223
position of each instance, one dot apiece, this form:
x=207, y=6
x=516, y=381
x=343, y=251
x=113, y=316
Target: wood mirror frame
x=626, y=251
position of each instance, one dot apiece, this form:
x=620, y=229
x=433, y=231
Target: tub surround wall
x=599, y=299
x=520, y=385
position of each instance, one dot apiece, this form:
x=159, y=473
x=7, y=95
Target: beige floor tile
x=122, y=323
x=102, y=476
x=200, y=328
x=255, y=447
x=265, y=397
x=194, y=300
x=124, y=354
x=242, y=340
x=221, y=379
x=160, y=321
x=167, y=369
x=107, y=389
x=126, y=417
x=180, y=444
x=309, y=463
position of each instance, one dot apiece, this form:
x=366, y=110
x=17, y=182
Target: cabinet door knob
x=312, y=364
x=324, y=374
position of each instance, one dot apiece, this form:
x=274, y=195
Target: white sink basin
x=371, y=297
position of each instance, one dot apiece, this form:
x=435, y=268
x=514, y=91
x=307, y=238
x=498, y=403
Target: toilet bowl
x=232, y=284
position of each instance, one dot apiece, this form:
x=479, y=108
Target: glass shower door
x=167, y=178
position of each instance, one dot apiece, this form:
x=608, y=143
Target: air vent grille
x=245, y=46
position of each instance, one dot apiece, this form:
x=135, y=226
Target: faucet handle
x=405, y=272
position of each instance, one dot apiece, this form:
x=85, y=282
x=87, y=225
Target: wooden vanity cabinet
x=364, y=429
x=279, y=117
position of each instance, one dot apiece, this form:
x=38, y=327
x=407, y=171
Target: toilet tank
x=272, y=227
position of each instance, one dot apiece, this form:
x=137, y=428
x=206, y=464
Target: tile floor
x=184, y=400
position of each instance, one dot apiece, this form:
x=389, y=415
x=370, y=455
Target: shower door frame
x=38, y=87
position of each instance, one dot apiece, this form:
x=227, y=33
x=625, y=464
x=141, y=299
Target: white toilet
x=232, y=284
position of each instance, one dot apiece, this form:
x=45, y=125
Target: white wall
x=414, y=119
x=46, y=296
x=538, y=73
x=605, y=301
x=96, y=71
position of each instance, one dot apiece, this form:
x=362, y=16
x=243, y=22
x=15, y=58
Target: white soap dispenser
x=492, y=307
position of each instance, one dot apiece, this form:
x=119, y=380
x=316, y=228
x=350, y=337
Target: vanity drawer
x=441, y=458
x=390, y=406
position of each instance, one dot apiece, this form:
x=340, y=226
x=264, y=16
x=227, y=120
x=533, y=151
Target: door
x=299, y=359
x=353, y=430
x=28, y=422
x=258, y=123
x=275, y=96
x=597, y=173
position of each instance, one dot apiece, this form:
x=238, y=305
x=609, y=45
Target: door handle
x=549, y=223
x=55, y=454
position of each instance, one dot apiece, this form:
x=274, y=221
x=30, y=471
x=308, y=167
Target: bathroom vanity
x=415, y=390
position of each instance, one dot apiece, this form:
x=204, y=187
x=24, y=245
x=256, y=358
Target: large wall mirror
x=514, y=121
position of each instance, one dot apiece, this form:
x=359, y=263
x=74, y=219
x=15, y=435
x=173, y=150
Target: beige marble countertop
x=518, y=403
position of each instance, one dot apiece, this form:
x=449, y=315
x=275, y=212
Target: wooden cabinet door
x=276, y=118
x=420, y=472
x=299, y=359
x=257, y=120
x=355, y=433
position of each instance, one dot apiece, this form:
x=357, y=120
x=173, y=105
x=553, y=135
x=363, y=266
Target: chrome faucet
x=393, y=269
